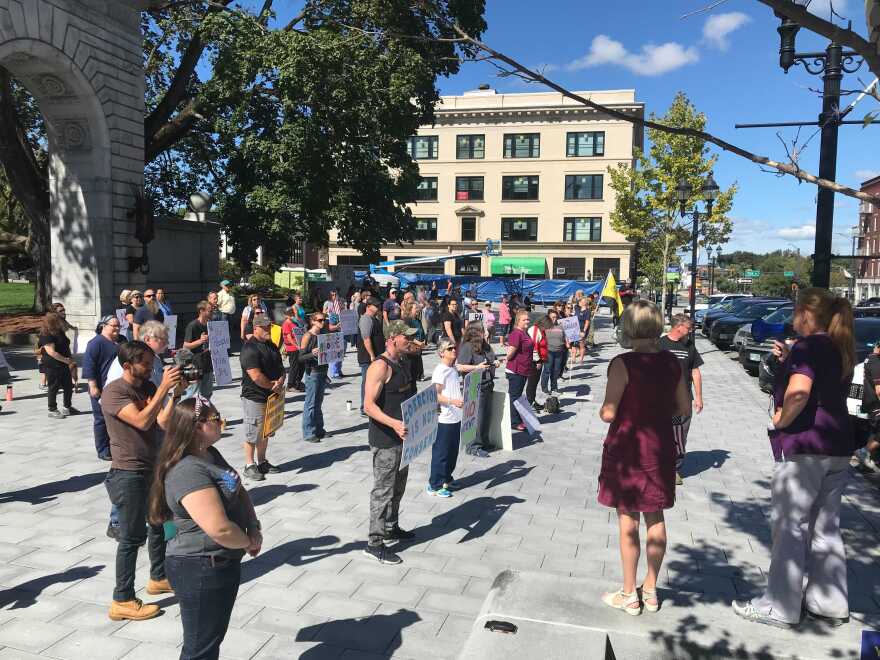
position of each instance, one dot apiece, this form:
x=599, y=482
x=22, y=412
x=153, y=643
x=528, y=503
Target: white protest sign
x=527, y=413
x=475, y=316
x=572, y=328
x=420, y=420
x=123, y=322
x=349, y=320
x=298, y=334
x=331, y=347
x=171, y=324
x=470, y=407
x=218, y=344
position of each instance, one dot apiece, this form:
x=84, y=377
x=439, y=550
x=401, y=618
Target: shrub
x=262, y=283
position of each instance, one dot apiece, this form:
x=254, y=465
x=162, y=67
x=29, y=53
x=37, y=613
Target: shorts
x=252, y=420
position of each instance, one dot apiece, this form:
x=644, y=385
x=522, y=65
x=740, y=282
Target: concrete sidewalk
x=312, y=593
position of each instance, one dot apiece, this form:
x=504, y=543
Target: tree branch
x=172, y=131
x=784, y=168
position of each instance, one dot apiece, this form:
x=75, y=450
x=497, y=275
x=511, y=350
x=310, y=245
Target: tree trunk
x=663, y=286
x=41, y=254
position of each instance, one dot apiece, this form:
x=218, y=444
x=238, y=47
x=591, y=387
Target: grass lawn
x=16, y=298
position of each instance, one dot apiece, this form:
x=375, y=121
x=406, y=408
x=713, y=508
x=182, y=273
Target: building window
x=519, y=229
x=602, y=266
x=423, y=147
x=469, y=188
x=469, y=147
x=523, y=145
x=426, y=229
x=298, y=253
x=357, y=260
x=427, y=190
x=467, y=266
x=468, y=229
x=583, y=229
x=569, y=268
x=585, y=144
x=583, y=186
x=519, y=187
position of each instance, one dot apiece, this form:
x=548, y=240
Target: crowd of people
x=170, y=488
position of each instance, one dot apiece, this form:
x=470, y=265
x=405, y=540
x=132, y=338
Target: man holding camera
x=134, y=409
x=262, y=374
x=196, y=340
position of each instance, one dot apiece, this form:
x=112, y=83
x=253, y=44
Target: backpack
x=551, y=405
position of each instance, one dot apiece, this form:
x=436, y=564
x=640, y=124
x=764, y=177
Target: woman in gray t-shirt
x=557, y=350
x=209, y=524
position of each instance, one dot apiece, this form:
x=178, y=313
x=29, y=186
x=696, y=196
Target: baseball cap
x=261, y=321
x=225, y=283
x=396, y=328
x=374, y=301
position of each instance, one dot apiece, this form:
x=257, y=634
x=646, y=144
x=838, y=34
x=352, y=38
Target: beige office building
x=529, y=170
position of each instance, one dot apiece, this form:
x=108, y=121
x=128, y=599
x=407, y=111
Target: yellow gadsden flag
x=609, y=290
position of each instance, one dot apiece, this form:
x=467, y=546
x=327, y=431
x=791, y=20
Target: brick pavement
x=312, y=594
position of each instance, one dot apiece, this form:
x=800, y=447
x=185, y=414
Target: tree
x=647, y=209
x=298, y=129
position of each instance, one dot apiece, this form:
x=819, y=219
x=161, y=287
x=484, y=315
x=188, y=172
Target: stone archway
x=82, y=62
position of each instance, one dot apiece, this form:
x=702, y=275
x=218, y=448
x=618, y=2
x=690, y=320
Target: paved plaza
x=313, y=594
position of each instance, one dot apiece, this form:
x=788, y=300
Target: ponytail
x=835, y=315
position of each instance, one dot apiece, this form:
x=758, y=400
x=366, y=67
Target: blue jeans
x=515, y=386
x=364, y=368
x=313, y=416
x=206, y=592
x=444, y=454
x=102, y=440
x=552, y=370
x=203, y=386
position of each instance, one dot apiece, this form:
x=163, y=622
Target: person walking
x=519, y=364
x=262, y=375
x=584, y=316
x=637, y=475
x=409, y=314
x=134, y=409
x=225, y=300
x=812, y=441
x=255, y=307
x=556, y=352
x=389, y=384
x=332, y=310
x=489, y=320
x=451, y=323
x=504, y=318
x=289, y=332
x=869, y=455
x=100, y=354
x=538, y=334
x=58, y=363
x=475, y=353
x=679, y=342
x=315, y=380
x=196, y=340
x=214, y=523
x=391, y=308
x=370, y=341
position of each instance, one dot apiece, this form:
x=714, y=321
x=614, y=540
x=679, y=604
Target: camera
x=185, y=360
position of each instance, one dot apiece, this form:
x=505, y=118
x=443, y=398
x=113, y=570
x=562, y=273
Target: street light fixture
x=683, y=192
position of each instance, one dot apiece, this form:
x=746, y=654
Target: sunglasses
x=137, y=296
x=450, y=348
x=149, y=295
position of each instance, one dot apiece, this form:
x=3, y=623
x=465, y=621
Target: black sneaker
x=113, y=531
x=253, y=473
x=382, y=554
x=832, y=621
x=312, y=439
x=397, y=534
x=266, y=468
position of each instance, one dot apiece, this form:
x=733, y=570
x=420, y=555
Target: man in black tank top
x=388, y=385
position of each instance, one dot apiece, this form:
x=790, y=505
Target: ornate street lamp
x=683, y=191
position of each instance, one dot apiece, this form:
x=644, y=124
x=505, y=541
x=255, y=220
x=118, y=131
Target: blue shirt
x=100, y=354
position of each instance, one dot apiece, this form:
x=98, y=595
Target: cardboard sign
x=349, y=320
x=470, y=409
x=171, y=324
x=275, y=334
x=298, y=334
x=331, y=347
x=420, y=420
x=218, y=344
x=123, y=323
x=571, y=327
x=274, y=415
x=475, y=316
x=527, y=413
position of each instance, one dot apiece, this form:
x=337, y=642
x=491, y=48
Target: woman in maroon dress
x=644, y=391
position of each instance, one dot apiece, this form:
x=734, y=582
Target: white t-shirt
x=448, y=378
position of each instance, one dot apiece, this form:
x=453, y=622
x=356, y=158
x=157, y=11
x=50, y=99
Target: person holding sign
x=262, y=374
x=473, y=354
x=196, y=340
x=316, y=379
x=291, y=333
x=388, y=385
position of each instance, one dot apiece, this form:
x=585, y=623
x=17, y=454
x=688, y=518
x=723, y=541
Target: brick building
x=868, y=277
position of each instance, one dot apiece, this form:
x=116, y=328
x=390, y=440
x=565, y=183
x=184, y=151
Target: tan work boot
x=134, y=610
x=156, y=587
x=678, y=480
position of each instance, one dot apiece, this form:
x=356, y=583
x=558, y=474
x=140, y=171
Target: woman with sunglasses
x=135, y=302
x=315, y=380
x=211, y=522
x=255, y=306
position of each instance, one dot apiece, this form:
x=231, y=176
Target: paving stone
x=283, y=622
x=435, y=581
x=390, y=593
x=82, y=644
x=31, y=636
x=291, y=599
x=337, y=607
x=445, y=602
x=151, y=651
x=282, y=647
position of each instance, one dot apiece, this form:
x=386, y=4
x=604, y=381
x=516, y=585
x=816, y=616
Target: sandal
x=649, y=599
x=619, y=600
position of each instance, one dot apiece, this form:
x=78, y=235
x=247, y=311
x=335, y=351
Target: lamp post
x=830, y=65
x=683, y=192
x=712, y=266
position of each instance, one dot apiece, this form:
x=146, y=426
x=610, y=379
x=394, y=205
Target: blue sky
x=726, y=61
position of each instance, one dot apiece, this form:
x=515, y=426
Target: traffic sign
x=788, y=273
x=752, y=273
x=743, y=280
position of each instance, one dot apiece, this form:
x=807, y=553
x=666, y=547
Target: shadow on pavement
x=265, y=494
x=295, y=553
x=25, y=594
x=47, y=492
x=477, y=516
x=699, y=461
x=376, y=634
x=319, y=461
x=496, y=475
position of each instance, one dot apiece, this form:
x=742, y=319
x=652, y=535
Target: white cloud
x=802, y=233
x=653, y=60
x=719, y=26
x=864, y=175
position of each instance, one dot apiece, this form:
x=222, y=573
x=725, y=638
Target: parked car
x=714, y=302
x=728, y=308
x=869, y=302
x=752, y=351
x=866, y=310
x=725, y=327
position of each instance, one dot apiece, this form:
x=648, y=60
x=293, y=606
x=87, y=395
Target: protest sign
x=331, y=347
x=171, y=324
x=123, y=322
x=420, y=420
x=349, y=320
x=527, y=413
x=274, y=415
x=470, y=407
x=475, y=316
x=218, y=344
x=572, y=328
x=275, y=334
x=298, y=334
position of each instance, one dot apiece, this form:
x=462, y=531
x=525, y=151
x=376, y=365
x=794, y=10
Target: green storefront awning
x=518, y=266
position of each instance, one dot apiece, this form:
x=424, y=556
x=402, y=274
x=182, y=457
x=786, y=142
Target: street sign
x=788, y=273
x=752, y=273
x=743, y=280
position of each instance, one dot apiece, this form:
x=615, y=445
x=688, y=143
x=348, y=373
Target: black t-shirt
x=262, y=355
x=687, y=355
x=62, y=347
x=143, y=314
x=456, y=324
x=870, y=402
x=194, y=331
